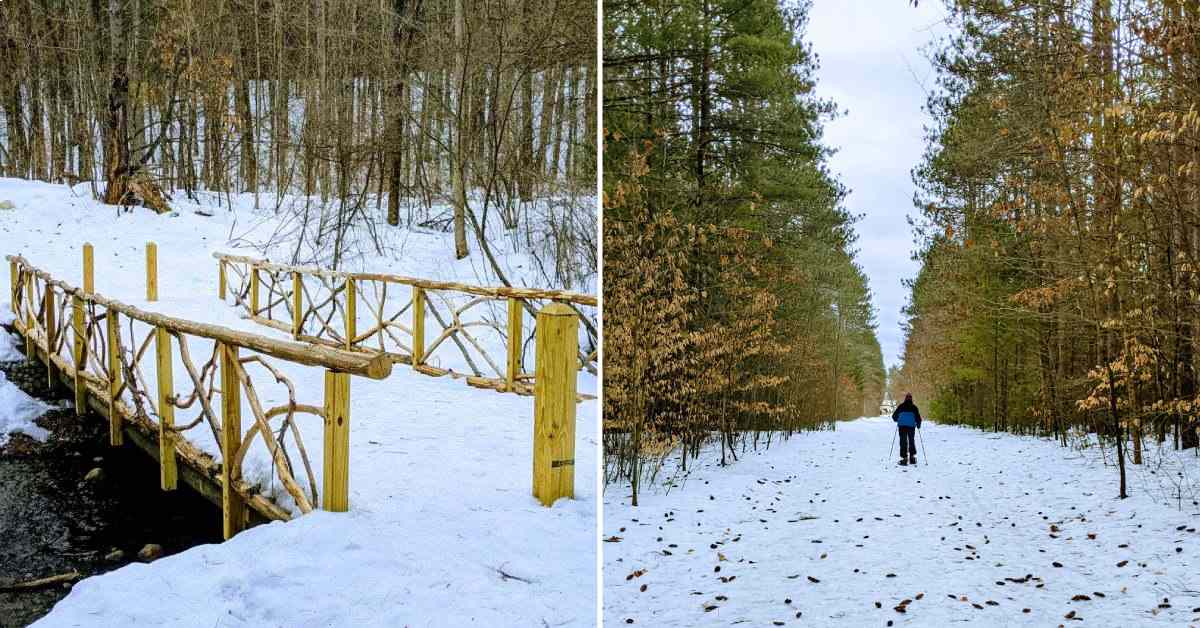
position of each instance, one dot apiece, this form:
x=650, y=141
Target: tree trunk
x=116, y=123
x=463, y=133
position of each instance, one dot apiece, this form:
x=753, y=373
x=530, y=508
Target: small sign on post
x=554, y=403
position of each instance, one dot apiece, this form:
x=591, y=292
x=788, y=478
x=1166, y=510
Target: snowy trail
x=821, y=530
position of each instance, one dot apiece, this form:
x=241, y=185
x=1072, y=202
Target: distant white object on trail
x=7, y=205
x=888, y=406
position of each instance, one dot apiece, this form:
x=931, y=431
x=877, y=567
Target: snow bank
x=347, y=569
x=17, y=409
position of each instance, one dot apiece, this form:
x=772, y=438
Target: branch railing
x=103, y=350
x=476, y=333
x=103, y=353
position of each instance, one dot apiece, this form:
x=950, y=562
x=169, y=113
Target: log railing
x=439, y=328
x=103, y=348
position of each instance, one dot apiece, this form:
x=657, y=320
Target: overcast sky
x=873, y=65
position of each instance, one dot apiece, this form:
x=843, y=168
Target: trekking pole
x=897, y=431
x=923, y=446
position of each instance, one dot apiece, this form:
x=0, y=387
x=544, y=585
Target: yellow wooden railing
x=102, y=364
x=98, y=347
x=396, y=316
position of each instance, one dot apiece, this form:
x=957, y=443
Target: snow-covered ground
x=17, y=409
x=825, y=530
x=442, y=530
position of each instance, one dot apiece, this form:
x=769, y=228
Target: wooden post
x=418, y=345
x=297, y=303
x=151, y=271
x=30, y=317
x=51, y=337
x=166, y=409
x=351, y=312
x=89, y=274
x=233, y=507
x=79, y=355
x=221, y=279
x=253, y=291
x=115, y=436
x=337, y=442
x=14, y=274
x=514, y=342
x=554, y=403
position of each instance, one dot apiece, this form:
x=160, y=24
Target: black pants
x=908, y=442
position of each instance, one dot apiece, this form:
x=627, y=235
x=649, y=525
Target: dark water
x=53, y=522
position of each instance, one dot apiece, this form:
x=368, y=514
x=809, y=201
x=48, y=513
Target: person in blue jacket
x=908, y=418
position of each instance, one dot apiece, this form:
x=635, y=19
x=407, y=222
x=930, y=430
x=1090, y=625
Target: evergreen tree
x=733, y=304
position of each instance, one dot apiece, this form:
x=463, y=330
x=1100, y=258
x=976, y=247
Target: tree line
x=387, y=105
x=734, y=308
x=1060, y=220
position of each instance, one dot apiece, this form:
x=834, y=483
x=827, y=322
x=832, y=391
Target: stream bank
x=54, y=521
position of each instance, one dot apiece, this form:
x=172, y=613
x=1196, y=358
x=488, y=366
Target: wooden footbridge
x=100, y=349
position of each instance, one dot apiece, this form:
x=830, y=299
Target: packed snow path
x=820, y=530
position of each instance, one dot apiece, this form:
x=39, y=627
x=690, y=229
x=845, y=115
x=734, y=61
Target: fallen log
x=40, y=582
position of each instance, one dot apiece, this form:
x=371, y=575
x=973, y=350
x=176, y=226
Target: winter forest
x=1060, y=206
x=999, y=200
x=445, y=115
x=725, y=239
x=301, y=313
x=583, y=313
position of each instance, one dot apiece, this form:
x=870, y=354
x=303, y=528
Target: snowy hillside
x=442, y=529
x=825, y=530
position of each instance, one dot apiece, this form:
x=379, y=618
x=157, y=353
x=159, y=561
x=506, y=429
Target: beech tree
x=1060, y=198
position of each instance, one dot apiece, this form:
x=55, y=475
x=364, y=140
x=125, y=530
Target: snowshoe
x=903, y=463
